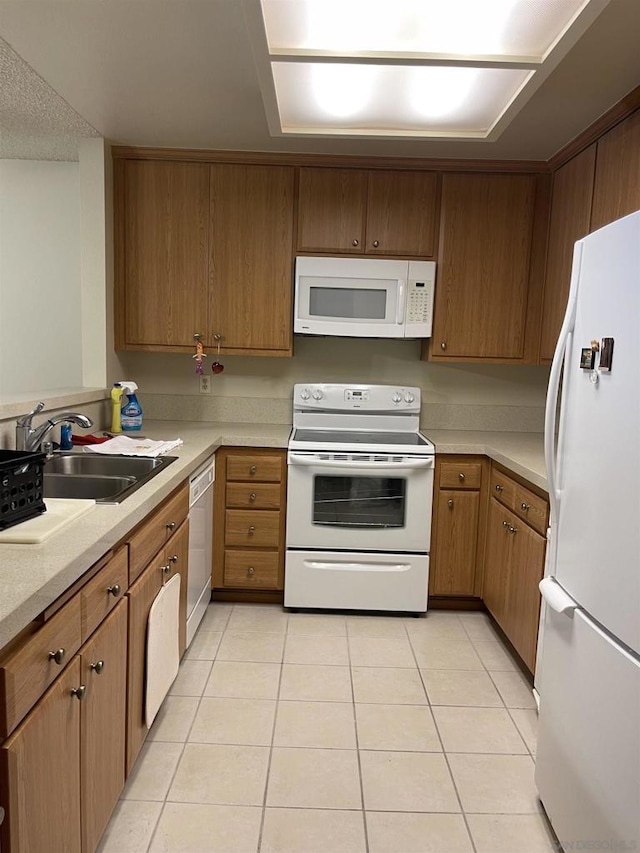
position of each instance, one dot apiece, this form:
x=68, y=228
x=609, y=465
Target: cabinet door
x=161, y=253
x=454, y=566
x=40, y=773
x=331, y=210
x=177, y=558
x=251, y=265
x=497, y=557
x=483, y=270
x=526, y=568
x=401, y=214
x=617, y=185
x=141, y=596
x=103, y=723
x=570, y=215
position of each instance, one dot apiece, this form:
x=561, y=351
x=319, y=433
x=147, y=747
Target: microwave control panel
x=420, y=290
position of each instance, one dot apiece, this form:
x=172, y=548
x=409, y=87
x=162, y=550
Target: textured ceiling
x=35, y=122
x=180, y=73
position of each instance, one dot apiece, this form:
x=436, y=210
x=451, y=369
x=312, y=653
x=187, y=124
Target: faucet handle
x=25, y=420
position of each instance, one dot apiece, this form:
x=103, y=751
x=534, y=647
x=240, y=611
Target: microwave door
x=363, y=307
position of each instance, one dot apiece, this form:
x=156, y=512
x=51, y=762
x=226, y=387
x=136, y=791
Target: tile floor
x=309, y=733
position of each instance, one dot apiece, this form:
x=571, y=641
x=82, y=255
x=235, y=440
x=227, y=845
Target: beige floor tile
x=191, y=828
x=388, y=685
x=509, y=833
x=251, y=647
x=243, y=680
x=514, y=689
x=323, y=725
x=152, y=772
x=254, y=618
x=312, y=831
x=480, y=629
x=434, y=626
x=407, y=832
x=314, y=778
x=380, y=651
x=216, y=617
x=527, y=722
x=493, y=784
x=204, y=646
x=488, y=730
x=173, y=721
x=376, y=626
x=407, y=782
x=316, y=683
x=460, y=687
x=316, y=650
x=226, y=775
x=317, y=625
x=191, y=679
x=494, y=655
x=408, y=728
x=131, y=827
x=243, y=721
x=443, y=653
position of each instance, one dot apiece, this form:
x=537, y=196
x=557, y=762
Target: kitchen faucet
x=30, y=438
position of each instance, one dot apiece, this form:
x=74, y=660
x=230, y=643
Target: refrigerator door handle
x=556, y=597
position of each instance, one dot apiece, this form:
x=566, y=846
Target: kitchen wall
x=502, y=397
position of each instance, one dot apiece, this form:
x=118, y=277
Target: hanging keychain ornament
x=217, y=367
x=200, y=355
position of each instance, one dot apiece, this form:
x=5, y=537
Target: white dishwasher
x=200, y=545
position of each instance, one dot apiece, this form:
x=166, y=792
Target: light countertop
x=33, y=576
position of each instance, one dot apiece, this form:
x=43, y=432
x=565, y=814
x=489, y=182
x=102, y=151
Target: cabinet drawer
x=251, y=569
x=152, y=535
x=259, y=468
x=502, y=488
x=531, y=508
x=103, y=592
x=255, y=529
x=26, y=674
x=460, y=475
x=250, y=496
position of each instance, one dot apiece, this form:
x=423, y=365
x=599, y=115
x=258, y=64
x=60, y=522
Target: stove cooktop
x=363, y=441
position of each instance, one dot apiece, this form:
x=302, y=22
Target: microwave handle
x=401, y=308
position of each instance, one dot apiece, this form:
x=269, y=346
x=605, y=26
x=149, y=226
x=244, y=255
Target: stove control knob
x=396, y=397
x=408, y=397
x=318, y=395
x=304, y=394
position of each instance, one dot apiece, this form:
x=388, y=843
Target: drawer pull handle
x=173, y=559
x=171, y=525
x=79, y=692
x=114, y=590
x=443, y=345
x=253, y=469
x=165, y=569
x=250, y=571
x=252, y=530
x=376, y=243
x=355, y=242
x=461, y=477
x=252, y=496
x=57, y=656
x=512, y=529
x=97, y=667
x=525, y=506
x=450, y=503
x=499, y=488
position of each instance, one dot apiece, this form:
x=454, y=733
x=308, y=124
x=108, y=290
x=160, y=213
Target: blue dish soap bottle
x=131, y=412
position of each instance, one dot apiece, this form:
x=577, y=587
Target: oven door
x=362, y=502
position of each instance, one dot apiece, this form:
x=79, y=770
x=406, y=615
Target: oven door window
x=358, y=501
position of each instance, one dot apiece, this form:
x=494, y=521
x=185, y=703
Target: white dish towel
x=123, y=445
x=163, y=655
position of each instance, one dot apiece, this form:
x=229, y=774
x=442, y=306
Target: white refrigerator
x=588, y=674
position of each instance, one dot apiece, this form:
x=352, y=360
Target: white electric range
x=359, y=498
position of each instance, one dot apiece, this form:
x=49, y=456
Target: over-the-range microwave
x=364, y=297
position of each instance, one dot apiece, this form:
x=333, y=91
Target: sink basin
x=105, y=479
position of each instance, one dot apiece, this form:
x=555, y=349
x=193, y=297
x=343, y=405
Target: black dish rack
x=21, y=486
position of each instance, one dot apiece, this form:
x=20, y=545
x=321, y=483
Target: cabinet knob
x=505, y=524
x=252, y=496
x=355, y=242
x=114, y=590
x=461, y=477
x=499, y=488
x=217, y=337
x=57, y=656
x=450, y=503
x=253, y=469
x=525, y=506
x=165, y=569
x=512, y=529
x=250, y=571
x=78, y=692
x=443, y=345
x=252, y=530
x=376, y=243
x=97, y=667
x=173, y=559
x=171, y=525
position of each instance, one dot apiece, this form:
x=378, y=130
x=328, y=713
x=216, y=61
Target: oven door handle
x=408, y=464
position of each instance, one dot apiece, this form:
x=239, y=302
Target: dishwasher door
x=200, y=545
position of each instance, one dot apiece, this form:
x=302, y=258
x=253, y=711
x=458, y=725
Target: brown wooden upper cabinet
x=617, y=183
x=162, y=217
x=570, y=215
x=482, y=284
x=371, y=212
x=251, y=263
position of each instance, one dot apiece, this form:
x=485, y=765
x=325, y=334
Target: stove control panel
x=329, y=397
x=358, y=394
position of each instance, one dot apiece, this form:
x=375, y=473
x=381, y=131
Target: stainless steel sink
x=105, y=479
